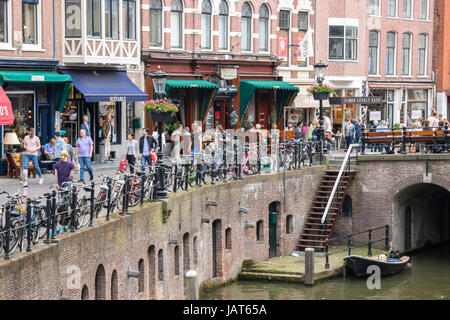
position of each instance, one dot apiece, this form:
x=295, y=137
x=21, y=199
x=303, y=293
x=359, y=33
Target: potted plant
x=273, y=117
x=321, y=91
x=234, y=117
x=160, y=109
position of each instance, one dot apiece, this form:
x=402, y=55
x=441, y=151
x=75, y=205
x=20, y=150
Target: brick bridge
x=162, y=240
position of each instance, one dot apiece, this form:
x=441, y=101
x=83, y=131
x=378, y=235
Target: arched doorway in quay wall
x=216, y=239
x=420, y=216
x=274, y=234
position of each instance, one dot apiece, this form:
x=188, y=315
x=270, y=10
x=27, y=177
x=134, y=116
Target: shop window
x=263, y=28
x=112, y=111
x=391, y=8
x=343, y=42
x=374, y=7
x=303, y=21
x=206, y=24
x=176, y=24
x=406, y=54
x=93, y=18
x=129, y=19
x=156, y=22
x=390, y=53
x=373, y=52
x=246, y=27
x=3, y=21
x=30, y=21
x=417, y=104
x=160, y=265
x=176, y=260
x=260, y=230
x=228, y=238
x=407, y=9
x=422, y=54
x=223, y=25
x=289, y=226
x=423, y=15
x=112, y=19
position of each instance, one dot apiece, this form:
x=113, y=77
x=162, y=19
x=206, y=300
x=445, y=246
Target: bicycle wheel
x=135, y=195
x=15, y=236
x=83, y=213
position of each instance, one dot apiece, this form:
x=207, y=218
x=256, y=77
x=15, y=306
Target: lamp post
x=159, y=79
x=319, y=70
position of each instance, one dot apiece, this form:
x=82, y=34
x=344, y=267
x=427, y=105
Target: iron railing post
x=8, y=230
x=403, y=151
x=108, y=199
x=74, y=208
x=175, y=178
x=92, y=202
x=363, y=143
x=186, y=174
x=446, y=138
x=142, y=189
x=369, y=244
x=53, y=214
x=327, y=264
x=28, y=222
x=386, y=239
x=48, y=209
x=349, y=244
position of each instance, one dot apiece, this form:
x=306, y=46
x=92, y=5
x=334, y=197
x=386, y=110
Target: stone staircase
x=314, y=231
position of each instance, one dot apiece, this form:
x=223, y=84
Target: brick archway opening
x=100, y=283
x=217, y=248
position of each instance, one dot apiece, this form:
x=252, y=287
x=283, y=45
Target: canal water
x=428, y=277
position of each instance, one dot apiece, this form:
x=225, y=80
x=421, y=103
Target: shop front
x=105, y=97
x=35, y=95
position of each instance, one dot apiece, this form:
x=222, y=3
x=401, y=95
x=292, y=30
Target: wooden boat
x=358, y=265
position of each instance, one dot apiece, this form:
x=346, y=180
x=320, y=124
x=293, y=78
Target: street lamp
x=319, y=70
x=159, y=79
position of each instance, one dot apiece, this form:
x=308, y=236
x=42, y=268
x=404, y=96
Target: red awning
x=6, y=112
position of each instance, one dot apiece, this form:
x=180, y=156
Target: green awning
x=285, y=93
x=62, y=82
x=206, y=92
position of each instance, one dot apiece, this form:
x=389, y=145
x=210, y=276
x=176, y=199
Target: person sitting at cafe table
x=49, y=148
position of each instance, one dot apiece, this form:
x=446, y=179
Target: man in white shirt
x=32, y=145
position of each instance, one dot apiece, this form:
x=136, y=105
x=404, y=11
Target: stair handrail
x=338, y=179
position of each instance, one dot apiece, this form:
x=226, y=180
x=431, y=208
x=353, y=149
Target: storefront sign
x=118, y=99
x=228, y=73
x=37, y=78
x=416, y=114
x=355, y=100
x=374, y=115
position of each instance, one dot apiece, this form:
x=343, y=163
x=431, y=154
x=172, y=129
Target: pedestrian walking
x=32, y=145
x=60, y=145
x=83, y=152
x=64, y=171
x=147, y=144
x=176, y=139
x=349, y=133
x=85, y=126
x=132, y=151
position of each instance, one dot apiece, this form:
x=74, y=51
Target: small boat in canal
x=358, y=264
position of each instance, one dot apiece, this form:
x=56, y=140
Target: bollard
x=386, y=245
x=48, y=209
x=74, y=208
x=327, y=263
x=92, y=202
x=349, y=244
x=108, y=208
x=53, y=214
x=142, y=189
x=8, y=231
x=309, y=266
x=175, y=181
x=191, y=285
x=28, y=221
x=369, y=244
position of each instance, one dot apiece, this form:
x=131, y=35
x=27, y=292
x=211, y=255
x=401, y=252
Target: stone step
x=311, y=240
x=311, y=234
x=300, y=246
x=248, y=275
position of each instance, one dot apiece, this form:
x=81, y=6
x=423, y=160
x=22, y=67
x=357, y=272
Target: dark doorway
x=273, y=218
x=408, y=228
x=186, y=257
x=347, y=207
x=44, y=124
x=217, y=248
x=263, y=109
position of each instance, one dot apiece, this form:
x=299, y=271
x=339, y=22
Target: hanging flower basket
x=321, y=96
x=161, y=110
x=321, y=91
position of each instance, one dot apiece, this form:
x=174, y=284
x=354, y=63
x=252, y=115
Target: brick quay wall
x=162, y=240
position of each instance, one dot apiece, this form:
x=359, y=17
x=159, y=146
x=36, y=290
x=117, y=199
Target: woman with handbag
x=132, y=151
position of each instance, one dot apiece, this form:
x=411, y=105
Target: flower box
x=321, y=96
x=161, y=116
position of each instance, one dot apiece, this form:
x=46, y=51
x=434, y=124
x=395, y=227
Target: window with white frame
x=373, y=52
x=112, y=19
x=176, y=24
x=3, y=21
x=223, y=25
x=422, y=54
x=30, y=21
x=390, y=53
x=343, y=43
x=156, y=9
x=246, y=27
x=129, y=19
x=407, y=9
x=423, y=15
x=391, y=8
x=406, y=53
x=73, y=18
x=93, y=18
x=206, y=24
x=263, y=28
x=374, y=7
x=303, y=21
